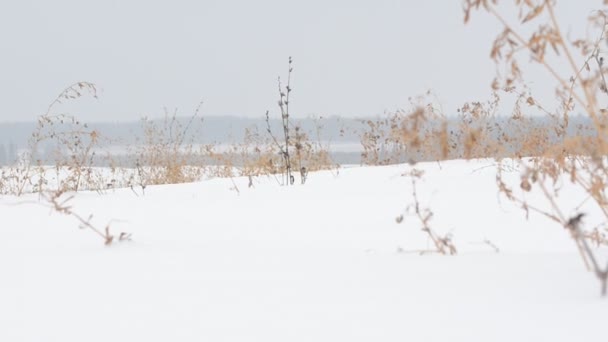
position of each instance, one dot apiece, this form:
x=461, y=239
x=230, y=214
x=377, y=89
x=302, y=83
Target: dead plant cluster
x=424, y=133
x=61, y=147
x=406, y=136
x=166, y=154
x=560, y=160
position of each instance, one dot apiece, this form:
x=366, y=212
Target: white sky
x=352, y=57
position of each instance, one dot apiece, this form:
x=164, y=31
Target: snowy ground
x=324, y=261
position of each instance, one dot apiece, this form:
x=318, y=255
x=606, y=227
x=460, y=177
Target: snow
x=324, y=261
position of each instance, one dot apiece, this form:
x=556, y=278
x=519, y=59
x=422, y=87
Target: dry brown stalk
x=443, y=244
x=283, y=102
x=62, y=206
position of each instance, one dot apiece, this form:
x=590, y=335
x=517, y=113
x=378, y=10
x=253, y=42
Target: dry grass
x=406, y=136
x=166, y=155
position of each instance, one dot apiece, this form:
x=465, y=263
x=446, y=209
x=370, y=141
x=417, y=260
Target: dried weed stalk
x=284, y=95
x=443, y=244
x=62, y=206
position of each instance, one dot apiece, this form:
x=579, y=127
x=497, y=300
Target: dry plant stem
x=234, y=186
x=562, y=219
x=551, y=199
x=269, y=130
x=578, y=71
x=590, y=98
x=71, y=92
x=194, y=116
x=487, y=242
x=443, y=245
x=556, y=216
x=589, y=189
x=556, y=219
x=602, y=274
x=417, y=251
x=284, y=107
x=600, y=64
x=63, y=208
x=524, y=43
x=492, y=245
x=591, y=107
x=285, y=118
x=283, y=151
x=557, y=29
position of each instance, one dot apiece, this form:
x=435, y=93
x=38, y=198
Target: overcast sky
x=351, y=57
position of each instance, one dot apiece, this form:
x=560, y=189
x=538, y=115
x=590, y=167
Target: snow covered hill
x=324, y=261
